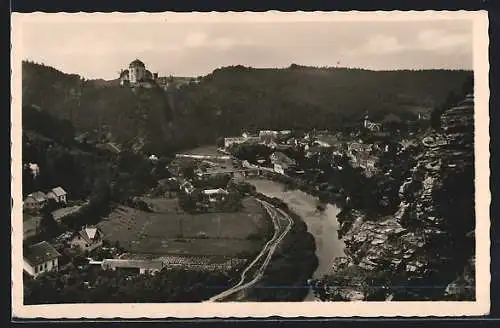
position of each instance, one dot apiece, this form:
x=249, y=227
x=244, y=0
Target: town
x=194, y=219
x=223, y=187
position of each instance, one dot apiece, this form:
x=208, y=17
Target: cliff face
x=424, y=251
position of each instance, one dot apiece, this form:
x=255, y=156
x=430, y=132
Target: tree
x=48, y=224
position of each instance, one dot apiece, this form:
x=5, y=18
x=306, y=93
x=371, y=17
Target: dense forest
x=234, y=98
x=173, y=285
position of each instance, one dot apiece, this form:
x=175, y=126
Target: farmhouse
x=88, y=238
x=39, y=258
x=215, y=195
x=58, y=194
x=35, y=201
x=133, y=266
x=281, y=162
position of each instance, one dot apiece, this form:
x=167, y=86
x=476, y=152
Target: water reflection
x=322, y=225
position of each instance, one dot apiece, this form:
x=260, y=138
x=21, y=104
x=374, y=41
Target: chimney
x=155, y=76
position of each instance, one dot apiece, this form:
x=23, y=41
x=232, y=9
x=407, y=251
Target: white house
x=34, y=169
x=39, y=258
x=187, y=187
x=215, y=195
x=58, y=194
x=88, y=238
x=35, y=201
x=279, y=168
x=281, y=162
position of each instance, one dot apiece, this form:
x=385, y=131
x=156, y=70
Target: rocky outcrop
x=419, y=252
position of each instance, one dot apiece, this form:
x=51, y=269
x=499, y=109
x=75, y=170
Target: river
x=322, y=225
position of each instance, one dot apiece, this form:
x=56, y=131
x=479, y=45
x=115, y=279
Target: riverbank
x=292, y=265
x=321, y=225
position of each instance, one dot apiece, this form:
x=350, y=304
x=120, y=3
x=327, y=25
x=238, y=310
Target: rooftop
x=214, y=191
x=280, y=157
x=38, y=196
x=89, y=233
x=40, y=253
x=137, y=63
x=58, y=191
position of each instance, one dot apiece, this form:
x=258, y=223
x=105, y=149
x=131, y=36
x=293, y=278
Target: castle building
x=137, y=74
x=137, y=71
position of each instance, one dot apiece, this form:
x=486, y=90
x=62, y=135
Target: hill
x=196, y=111
x=237, y=97
x=101, y=108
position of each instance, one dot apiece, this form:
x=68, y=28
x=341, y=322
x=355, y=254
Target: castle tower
x=137, y=71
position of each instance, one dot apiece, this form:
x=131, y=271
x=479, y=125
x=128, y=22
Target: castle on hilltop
x=138, y=76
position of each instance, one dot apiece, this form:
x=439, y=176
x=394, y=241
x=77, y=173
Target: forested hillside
x=234, y=98
x=313, y=97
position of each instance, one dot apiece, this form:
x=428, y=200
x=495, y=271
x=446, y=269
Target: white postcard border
x=237, y=310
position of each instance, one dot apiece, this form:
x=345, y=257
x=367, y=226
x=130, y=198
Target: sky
x=100, y=48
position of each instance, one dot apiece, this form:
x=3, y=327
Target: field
x=62, y=212
x=193, y=262
x=171, y=233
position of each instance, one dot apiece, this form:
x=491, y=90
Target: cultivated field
x=171, y=233
x=193, y=262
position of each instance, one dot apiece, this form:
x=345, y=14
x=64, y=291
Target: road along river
x=322, y=225
x=282, y=225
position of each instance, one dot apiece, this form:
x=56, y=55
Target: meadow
x=168, y=231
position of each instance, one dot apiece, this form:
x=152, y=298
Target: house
x=58, y=194
x=372, y=126
x=326, y=140
x=35, y=201
x=281, y=162
x=87, y=239
x=268, y=137
x=82, y=138
x=214, y=195
x=187, y=187
x=39, y=258
x=424, y=116
x=33, y=168
x=133, y=266
x=356, y=147
x=228, y=142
